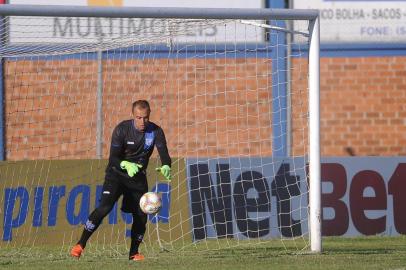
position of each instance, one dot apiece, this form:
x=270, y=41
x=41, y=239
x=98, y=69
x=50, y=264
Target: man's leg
x=111, y=192
x=132, y=193
x=94, y=220
x=131, y=204
x=138, y=229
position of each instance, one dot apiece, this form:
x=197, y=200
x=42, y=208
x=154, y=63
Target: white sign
x=114, y=31
x=359, y=21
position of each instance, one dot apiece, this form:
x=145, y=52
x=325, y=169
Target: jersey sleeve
x=162, y=148
x=117, y=146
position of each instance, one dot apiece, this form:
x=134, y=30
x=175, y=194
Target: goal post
x=213, y=96
x=314, y=140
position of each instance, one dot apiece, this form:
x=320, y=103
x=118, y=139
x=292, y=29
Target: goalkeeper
x=132, y=144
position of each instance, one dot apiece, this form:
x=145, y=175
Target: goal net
x=231, y=95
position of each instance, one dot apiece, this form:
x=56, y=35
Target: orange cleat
x=76, y=251
x=137, y=257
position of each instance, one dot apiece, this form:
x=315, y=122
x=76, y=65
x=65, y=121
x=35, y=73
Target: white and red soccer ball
x=150, y=203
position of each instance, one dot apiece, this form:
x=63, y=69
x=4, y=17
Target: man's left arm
x=166, y=161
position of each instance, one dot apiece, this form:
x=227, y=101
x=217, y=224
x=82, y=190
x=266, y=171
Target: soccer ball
x=150, y=203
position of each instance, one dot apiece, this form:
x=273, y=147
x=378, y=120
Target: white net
x=231, y=101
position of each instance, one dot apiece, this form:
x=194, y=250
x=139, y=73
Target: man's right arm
x=116, y=154
x=116, y=147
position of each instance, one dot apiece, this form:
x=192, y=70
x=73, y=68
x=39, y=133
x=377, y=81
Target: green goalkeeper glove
x=165, y=171
x=131, y=168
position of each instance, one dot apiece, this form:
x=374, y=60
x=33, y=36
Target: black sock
x=83, y=239
x=87, y=232
x=135, y=243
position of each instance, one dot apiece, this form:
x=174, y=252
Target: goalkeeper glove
x=165, y=171
x=131, y=168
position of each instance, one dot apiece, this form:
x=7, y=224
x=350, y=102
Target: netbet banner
x=132, y=30
x=266, y=197
x=359, y=21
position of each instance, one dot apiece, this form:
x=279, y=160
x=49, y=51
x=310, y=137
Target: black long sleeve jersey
x=130, y=144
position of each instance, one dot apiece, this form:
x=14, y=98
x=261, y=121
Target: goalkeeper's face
x=141, y=118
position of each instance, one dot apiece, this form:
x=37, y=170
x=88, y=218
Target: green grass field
x=339, y=253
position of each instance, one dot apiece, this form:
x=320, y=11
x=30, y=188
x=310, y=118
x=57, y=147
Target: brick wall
x=49, y=109
x=208, y=107
x=363, y=105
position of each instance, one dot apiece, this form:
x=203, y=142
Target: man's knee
x=101, y=211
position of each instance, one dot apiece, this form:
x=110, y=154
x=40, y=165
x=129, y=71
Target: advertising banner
x=267, y=197
x=350, y=21
x=132, y=30
x=47, y=202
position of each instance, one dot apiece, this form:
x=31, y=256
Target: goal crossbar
x=164, y=12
